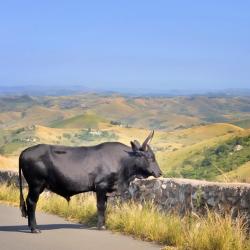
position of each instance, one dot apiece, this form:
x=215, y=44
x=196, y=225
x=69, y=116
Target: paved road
x=59, y=234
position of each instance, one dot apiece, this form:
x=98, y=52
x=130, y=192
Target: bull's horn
x=148, y=139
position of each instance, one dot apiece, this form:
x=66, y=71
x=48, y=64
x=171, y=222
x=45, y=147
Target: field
x=188, y=130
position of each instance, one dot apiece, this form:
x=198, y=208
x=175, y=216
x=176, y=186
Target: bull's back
x=71, y=169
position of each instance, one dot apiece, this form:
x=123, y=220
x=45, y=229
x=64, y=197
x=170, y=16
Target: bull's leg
x=101, y=208
x=31, y=202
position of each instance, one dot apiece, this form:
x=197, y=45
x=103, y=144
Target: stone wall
x=186, y=196
x=180, y=195
x=10, y=178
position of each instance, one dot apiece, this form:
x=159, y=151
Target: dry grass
x=215, y=232
x=8, y=162
x=146, y=222
x=82, y=208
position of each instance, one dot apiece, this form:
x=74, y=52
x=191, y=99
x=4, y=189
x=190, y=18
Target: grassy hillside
x=16, y=140
x=240, y=174
x=183, y=144
x=16, y=103
x=33, y=115
x=179, y=153
x=86, y=120
x=207, y=162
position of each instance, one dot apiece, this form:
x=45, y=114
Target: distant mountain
x=42, y=90
x=57, y=90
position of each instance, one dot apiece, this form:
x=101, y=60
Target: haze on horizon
x=160, y=45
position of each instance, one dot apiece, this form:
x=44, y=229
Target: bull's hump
x=112, y=148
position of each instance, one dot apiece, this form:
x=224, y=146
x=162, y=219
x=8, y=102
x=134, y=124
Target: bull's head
x=145, y=161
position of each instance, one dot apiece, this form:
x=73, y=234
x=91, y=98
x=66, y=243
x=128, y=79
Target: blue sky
x=136, y=44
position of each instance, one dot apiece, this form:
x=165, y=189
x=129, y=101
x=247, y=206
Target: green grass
x=211, y=232
x=87, y=120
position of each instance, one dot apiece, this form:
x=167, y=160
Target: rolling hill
x=86, y=120
x=149, y=112
x=240, y=174
x=189, y=129
x=218, y=159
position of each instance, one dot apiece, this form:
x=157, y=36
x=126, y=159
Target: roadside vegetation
x=212, y=232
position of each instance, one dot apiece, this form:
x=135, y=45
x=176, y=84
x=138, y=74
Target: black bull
x=67, y=171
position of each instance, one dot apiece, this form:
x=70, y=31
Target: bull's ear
x=138, y=145
x=134, y=146
x=149, y=149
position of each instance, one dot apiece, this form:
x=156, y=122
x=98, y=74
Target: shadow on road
x=25, y=229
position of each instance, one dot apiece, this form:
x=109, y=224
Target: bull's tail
x=22, y=202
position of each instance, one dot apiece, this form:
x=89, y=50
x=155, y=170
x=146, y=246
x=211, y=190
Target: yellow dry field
x=8, y=163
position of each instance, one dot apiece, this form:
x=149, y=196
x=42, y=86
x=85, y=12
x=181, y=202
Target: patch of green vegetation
x=2, y=137
x=218, y=160
x=14, y=140
x=11, y=147
x=18, y=131
x=87, y=120
x=243, y=123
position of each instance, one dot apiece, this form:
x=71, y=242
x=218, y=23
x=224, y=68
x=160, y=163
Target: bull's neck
x=127, y=173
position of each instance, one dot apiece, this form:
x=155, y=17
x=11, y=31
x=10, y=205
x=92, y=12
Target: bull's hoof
x=35, y=231
x=101, y=227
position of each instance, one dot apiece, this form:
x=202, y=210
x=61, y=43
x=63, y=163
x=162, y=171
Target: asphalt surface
x=60, y=234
